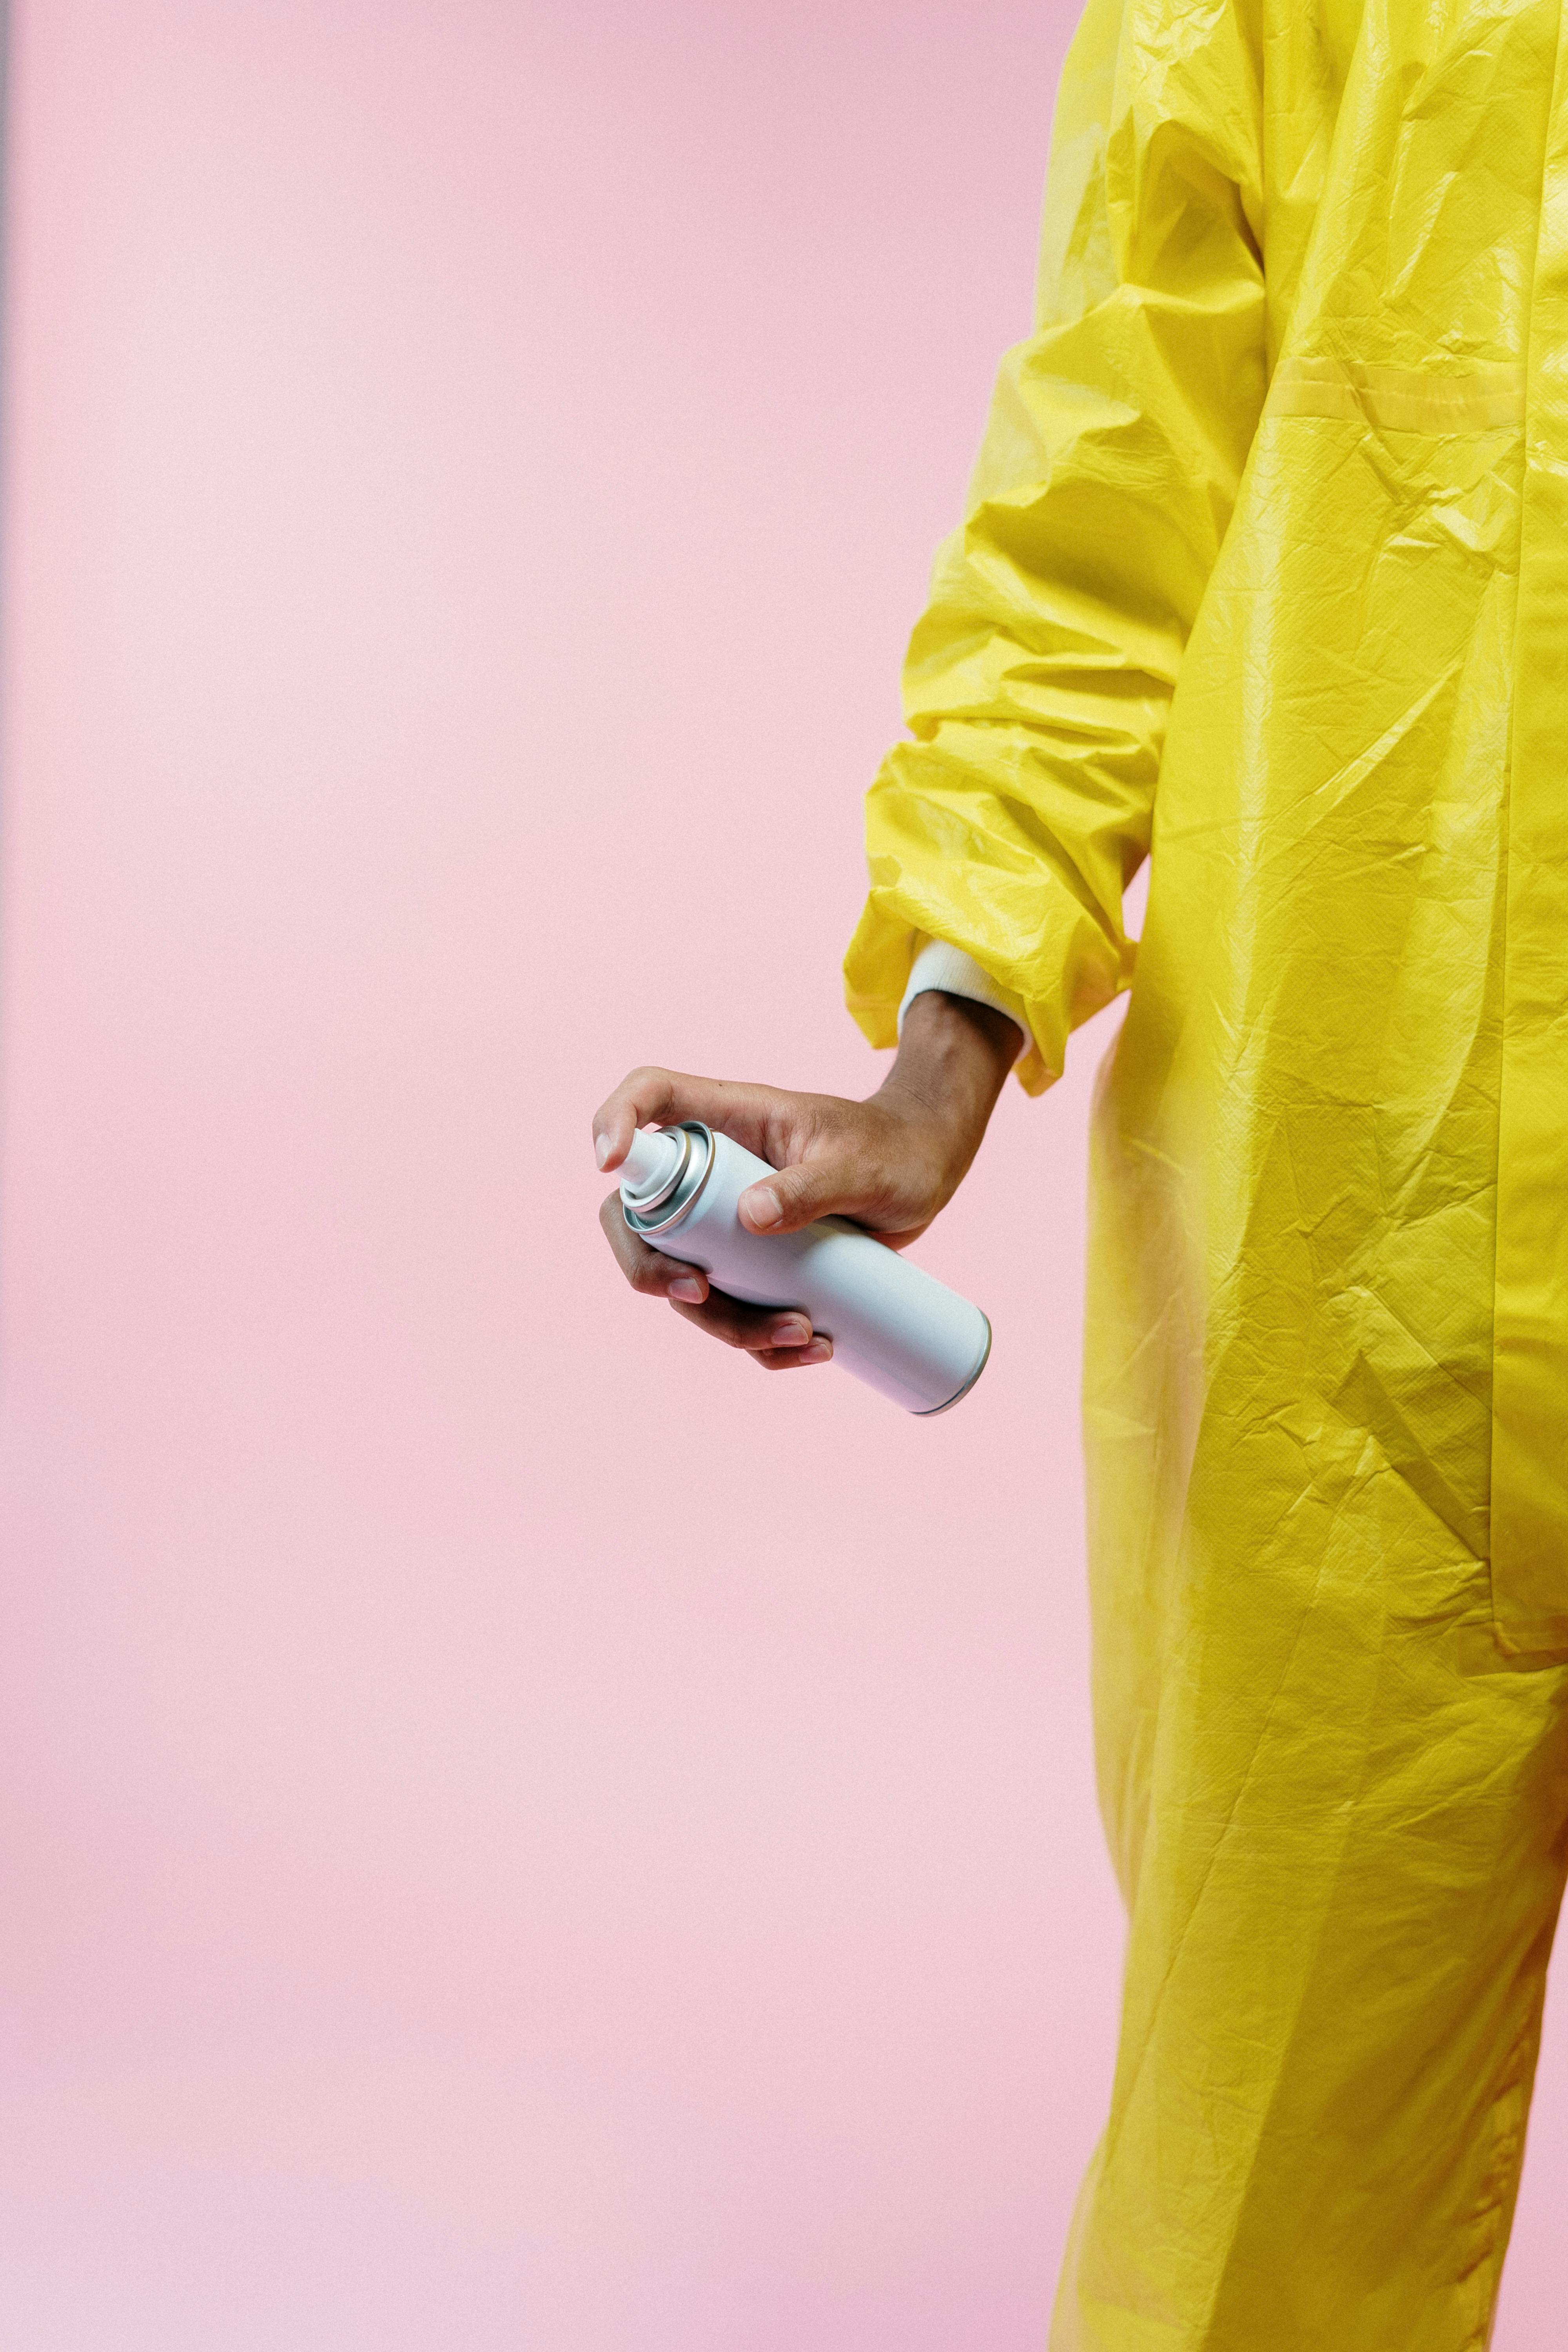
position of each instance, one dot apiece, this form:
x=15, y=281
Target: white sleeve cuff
x=956, y=974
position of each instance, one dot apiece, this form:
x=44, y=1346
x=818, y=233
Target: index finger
x=650, y=1096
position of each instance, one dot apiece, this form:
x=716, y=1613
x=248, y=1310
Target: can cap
x=651, y=1165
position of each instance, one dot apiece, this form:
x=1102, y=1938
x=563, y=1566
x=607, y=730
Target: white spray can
x=890, y=1325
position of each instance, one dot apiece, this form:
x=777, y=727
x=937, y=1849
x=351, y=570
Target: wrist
x=952, y=1061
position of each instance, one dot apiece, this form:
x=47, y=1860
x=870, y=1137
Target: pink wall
x=520, y=1832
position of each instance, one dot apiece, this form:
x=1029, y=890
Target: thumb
x=783, y=1203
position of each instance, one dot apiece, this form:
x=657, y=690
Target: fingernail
x=794, y=1331
x=687, y=1288
x=762, y=1206
x=819, y=1352
x=601, y=1149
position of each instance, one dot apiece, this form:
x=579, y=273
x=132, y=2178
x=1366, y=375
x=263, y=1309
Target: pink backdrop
x=519, y=1831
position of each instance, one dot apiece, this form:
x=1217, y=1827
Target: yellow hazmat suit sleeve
x=1039, y=680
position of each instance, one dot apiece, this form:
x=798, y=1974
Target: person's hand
x=889, y=1163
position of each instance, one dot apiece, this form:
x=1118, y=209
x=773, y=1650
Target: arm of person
x=1038, y=683
x=892, y=1162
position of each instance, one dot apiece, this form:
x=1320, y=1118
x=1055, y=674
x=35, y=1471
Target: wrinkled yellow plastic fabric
x=1265, y=574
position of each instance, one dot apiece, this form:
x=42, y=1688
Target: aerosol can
x=890, y=1325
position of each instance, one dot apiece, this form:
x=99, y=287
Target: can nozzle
x=651, y=1165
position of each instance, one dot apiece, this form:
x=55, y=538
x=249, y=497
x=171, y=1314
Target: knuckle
x=800, y=1195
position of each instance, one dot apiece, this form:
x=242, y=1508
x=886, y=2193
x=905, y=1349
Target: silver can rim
x=930, y=1411
x=636, y=1223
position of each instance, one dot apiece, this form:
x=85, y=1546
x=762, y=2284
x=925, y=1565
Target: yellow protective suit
x=1266, y=572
